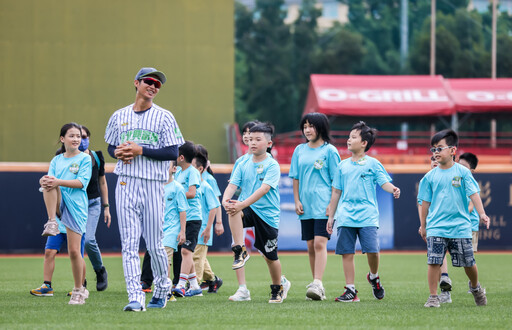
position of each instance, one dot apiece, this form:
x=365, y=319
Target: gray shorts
x=461, y=251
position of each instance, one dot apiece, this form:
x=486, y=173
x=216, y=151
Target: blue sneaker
x=157, y=302
x=134, y=306
x=179, y=292
x=43, y=291
x=192, y=292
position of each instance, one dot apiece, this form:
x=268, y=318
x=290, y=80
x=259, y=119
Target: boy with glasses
x=445, y=222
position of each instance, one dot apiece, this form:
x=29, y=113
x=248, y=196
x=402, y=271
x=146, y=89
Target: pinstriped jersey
x=154, y=129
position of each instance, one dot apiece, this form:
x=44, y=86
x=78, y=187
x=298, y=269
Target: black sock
x=49, y=283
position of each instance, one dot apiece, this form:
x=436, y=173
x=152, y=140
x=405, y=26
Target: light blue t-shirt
x=315, y=169
x=475, y=220
x=187, y=178
x=357, y=181
x=77, y=167
x=175, y=202
x=249, y=176
x=239, y=161
x=447, y=191
x=212, y=182
x=208, y=202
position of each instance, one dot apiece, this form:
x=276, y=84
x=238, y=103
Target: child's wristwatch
x=105, y=205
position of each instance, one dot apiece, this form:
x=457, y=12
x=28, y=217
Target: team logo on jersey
x=259, y=169
x=319, y=164
x=456, y=181
x=122, y=183
x=362, y=161
x=140, y=136
x=73, y=168
x=124, y=124
x=271, y=245
x=177, y=133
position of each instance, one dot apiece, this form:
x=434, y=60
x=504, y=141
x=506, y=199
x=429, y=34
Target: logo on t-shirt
x=362, y=161
x=73, y=168
x=259, y=169
x=456, y=181
x=319, y=164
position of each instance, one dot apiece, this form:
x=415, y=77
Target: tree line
x=273, y=60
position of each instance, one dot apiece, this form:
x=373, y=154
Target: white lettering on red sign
x=377, y=95
x=483, y=96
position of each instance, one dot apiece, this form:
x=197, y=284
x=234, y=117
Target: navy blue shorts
x=56, y=242
x=347, y=240
x=265, y=236
x=314, y=227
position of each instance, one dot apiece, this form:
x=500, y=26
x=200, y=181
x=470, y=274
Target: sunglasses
x=439, y=149
x=152, y=81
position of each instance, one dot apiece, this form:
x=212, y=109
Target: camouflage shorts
x=461, y=251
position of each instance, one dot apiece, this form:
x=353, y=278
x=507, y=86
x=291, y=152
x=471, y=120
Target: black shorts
x=265, y=236
x=314, y=227
x=191, y=234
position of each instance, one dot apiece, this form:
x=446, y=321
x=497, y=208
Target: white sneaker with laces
x=51, y=228
x=241, y=295
x=445, y=297
x=315, y=292
x=286, y=286
x=445, y=283
x=77, y=297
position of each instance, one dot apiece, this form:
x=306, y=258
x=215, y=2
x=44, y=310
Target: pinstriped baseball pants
x=140, y=210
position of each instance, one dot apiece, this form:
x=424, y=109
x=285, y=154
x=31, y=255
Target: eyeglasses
x=439, y=149
x=152, y=81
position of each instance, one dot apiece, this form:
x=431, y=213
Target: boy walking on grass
x=445, y=223
x=357, y=214
x=258, y=178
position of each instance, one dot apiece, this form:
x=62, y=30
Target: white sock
x=183, y=280
x=192, y=278
x=317, y=282
x=351, y=287
x=243, y=286
x=374, y=276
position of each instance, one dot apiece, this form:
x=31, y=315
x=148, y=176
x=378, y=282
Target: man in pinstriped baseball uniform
x=144, y=138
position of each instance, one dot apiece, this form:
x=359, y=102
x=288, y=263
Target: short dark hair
x=86, y=131
x=367, y=133
x=265, y=128
x=320, y=122
x=187, y=150
x=472, y=159
x=250, y=124
x=201, y=160
x=451, y=138
x=201, y=151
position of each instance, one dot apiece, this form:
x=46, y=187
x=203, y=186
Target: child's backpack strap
x=95, y=157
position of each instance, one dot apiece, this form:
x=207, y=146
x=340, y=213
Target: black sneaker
x=378, y=290
x=276, y=294
x=205, y=285
x=215, y=285
x=348, y=296
x=101, y=279
x=241, y=256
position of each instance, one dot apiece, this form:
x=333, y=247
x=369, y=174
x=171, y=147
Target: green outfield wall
x=65, y=61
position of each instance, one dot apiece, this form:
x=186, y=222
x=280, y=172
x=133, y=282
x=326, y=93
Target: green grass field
x=403, y=276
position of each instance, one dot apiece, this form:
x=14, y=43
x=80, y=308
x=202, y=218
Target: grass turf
x=404, y=276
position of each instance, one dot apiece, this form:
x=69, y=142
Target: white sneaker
x=286, y=286
x=315, y=292
x=241, y=295
x=77, y=297
x=51, y=228
x=85, y=292
x=445, y=297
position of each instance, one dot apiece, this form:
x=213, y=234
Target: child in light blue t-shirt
x=444, y=219
x=354, y=187
x=190, y=178
x=313, y=168
x=259, y=180
x=210, y=205
x=65, y=194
